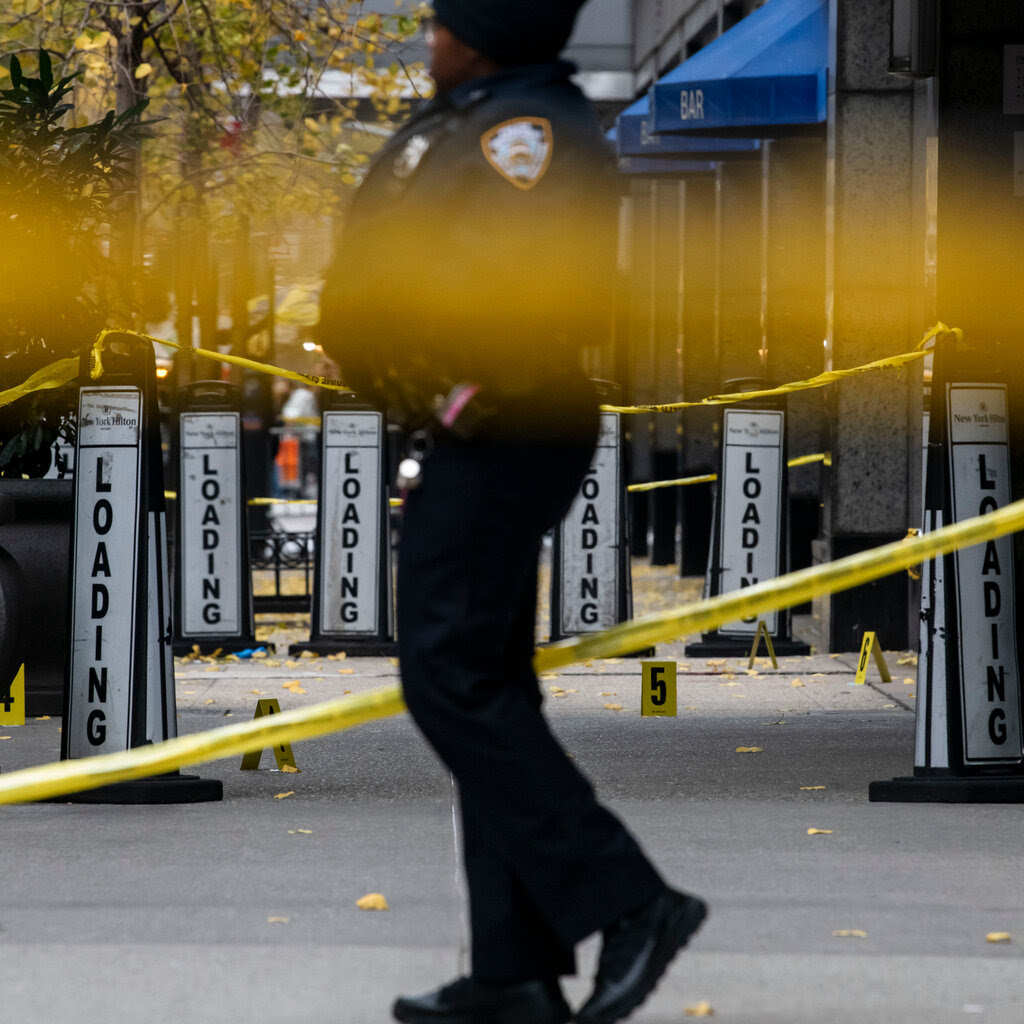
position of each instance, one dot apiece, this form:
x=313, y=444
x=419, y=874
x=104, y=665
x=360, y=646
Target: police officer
x=474, y=269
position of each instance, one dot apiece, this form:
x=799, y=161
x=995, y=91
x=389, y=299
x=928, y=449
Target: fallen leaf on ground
x=188, y=693
x=607, y=693
x=277, y=920
x=704, y=1009
x=300, y=831
x=372, y=901
x=999, y=937
x=849, y=933
x=730, y=684
x=797, y=682
x=272, y=663
x=820, y=831
x=283, y=796
x=345, y=671
x=749, y=750
x=209, y=700
x=289, y=769
x=910, y=659
x=811, y=787
x=556, y=689
x=833, y=655
x=307, y=654
x=257, y=692
x=394, y=661
x=612, y=707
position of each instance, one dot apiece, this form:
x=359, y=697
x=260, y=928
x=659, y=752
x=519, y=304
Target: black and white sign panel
x=751, y=505
x=986, y=603
x=104, y=599
x=211, y=524
x=351, y=516
x=590, y=537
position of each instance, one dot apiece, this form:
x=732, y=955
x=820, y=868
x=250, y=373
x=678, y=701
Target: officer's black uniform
x=478, y=250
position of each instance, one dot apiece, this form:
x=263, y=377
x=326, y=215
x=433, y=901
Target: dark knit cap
x=511, y=31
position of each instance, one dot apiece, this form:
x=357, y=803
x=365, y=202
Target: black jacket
x=479, y=247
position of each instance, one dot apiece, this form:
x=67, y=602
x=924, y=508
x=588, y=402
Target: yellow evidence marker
x=658, y=689
x=871, y=646
x=283, y=753
x=12, y=700
x=762, y=631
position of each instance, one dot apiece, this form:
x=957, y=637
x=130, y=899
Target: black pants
x=547, y=865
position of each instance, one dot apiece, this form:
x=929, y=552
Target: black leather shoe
x=637, y=949
x=468, y=1001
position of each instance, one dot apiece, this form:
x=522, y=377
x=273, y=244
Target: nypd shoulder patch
x=520, y=149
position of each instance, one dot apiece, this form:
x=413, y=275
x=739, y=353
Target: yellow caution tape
x=65, y=370
x=72, y=776
x=807, y=460
x=64, y=777
x=782, y=592
x=393, y=502
x=55, y=375
x=828, y=377
x=96, y=360
x=707, y=478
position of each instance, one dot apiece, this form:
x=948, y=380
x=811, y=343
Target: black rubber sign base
x=950, y=790
x=160, y=789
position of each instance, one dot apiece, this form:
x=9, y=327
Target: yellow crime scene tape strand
x=65, y=777
x=782, y=592
x=96, y=371
x=707, y=478
x=259, y=502
x=64, y=372
x=54, y=375
x=820, y=381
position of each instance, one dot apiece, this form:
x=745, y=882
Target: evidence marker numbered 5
x=658, y=689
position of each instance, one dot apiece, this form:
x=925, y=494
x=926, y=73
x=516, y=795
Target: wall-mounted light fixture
x=913, y=39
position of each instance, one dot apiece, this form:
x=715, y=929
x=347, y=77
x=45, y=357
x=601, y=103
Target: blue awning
x=767, y=73
x=633, y=138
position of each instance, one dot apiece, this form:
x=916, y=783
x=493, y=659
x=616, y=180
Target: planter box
x=38, y=538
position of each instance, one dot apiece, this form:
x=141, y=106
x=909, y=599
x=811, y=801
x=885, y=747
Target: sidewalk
x=244, y=911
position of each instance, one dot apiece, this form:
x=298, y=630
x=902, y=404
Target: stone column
x=700, y=369
x=794, y=318
x=870, y=259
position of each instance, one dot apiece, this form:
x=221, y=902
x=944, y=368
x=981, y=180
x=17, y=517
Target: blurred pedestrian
x=475, y=268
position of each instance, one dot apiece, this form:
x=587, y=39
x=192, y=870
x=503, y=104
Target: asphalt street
x=244, y=911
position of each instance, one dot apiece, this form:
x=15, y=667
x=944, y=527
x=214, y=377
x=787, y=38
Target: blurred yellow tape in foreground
x=303, y=723
x=55, y=375
x=63, y=777
x=795, y=588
